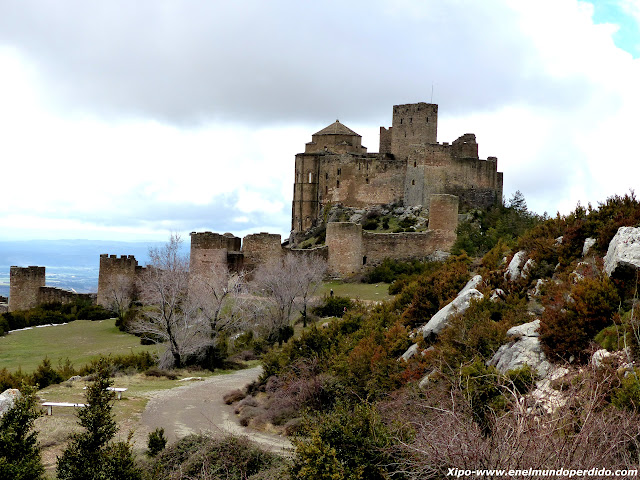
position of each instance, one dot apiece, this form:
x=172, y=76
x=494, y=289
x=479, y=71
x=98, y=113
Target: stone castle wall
x=352, y=250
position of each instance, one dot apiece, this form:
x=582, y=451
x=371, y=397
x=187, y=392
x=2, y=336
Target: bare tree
x=120, y=293
x=311, y=271
x=285, y=282
x=171, y=315
x=219, y=295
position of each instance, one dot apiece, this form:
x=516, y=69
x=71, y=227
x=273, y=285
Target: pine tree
x=19, y=451
x=91, y=455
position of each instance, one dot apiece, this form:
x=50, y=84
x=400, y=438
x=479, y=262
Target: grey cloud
x=280, y=61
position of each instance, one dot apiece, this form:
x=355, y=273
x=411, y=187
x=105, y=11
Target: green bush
x=349, y=442
x=370, y=224
x=199, y=456
x=156, y=443
x=333, y=306
x=46, y=375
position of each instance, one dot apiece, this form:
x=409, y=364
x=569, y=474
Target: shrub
x=333, y=306
x=569, y=323
x=156, y=443
x=46, y=375
x=370, y=224
x=199, y=456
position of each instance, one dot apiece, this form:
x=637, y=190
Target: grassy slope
x=360, y=291
x=80, y=341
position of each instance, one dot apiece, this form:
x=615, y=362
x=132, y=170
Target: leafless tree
x=120, y=292
x=220, y=297
x=285, y=282
x=171, y=315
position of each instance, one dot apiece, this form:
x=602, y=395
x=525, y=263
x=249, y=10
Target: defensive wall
x=351, y=250
x=27, y=290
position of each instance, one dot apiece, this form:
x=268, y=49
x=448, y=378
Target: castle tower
x=116, y=273
x=211, y=252
x=413, y=124
x=24, y=286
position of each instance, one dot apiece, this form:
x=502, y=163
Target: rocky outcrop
x=588, y=244
x=624, y=251
x=441, y=319
x=523, y=350
x=7, y=399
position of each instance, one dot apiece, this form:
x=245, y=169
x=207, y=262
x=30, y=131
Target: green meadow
x=80, y=341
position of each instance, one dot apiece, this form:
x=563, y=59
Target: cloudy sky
x=128, y=120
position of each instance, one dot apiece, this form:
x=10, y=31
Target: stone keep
x=410, y=167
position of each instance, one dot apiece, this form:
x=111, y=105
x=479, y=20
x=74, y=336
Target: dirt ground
x=199, y=408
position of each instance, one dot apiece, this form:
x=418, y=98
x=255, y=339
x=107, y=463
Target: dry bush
x=233, y=396
x=438, y=433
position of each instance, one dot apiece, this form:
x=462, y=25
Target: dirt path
x=199, y=408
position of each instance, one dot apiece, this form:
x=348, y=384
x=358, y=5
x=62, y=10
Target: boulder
x=514, y=270
x=624, y=251
x=525, y=349
x=441, y=319
x=7, y=399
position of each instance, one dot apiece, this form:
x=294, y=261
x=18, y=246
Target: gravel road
x=199, y=408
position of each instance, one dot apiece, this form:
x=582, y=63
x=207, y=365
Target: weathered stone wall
x=344, y=241
x=352, y=250
x=116, y=273
x=385, y=140
x=53, y=294
x=443, y=213
x=210, y=252
x=404, y=246
x=24, y=285
x=261, y=248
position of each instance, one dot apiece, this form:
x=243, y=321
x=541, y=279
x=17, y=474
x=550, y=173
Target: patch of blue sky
x=626, y=15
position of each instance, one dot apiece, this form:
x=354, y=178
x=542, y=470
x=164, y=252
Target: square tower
x=413, y=124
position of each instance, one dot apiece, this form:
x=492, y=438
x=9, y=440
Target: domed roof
x=336, y=128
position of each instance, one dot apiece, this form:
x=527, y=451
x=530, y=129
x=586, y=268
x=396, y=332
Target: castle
x=411, y=169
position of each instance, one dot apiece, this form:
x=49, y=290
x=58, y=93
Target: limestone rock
x=497, y=294
x=7, y=399
x=475, y=282
x=440, y=320
x=623, y=251
x=524, y=350
x=588, y=244
x=514, y=270
x=411, y=351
